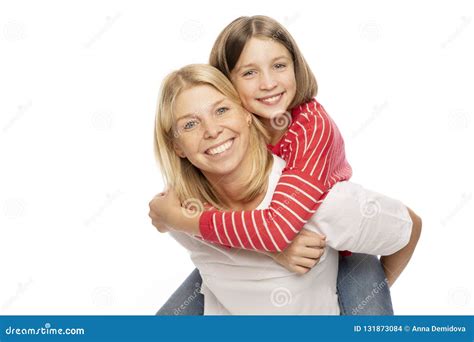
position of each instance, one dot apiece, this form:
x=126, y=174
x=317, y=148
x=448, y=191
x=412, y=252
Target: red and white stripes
x=314, y=152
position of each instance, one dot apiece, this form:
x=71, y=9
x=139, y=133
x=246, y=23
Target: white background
x=78, y=89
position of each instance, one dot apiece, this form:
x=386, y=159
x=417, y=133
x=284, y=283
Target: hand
x=160, y=206
x=303, y=253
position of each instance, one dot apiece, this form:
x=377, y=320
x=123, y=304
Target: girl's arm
x=302, y=254
x=313, y=149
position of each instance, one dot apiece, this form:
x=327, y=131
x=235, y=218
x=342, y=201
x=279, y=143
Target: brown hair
x=231, y=41
x=186, y=179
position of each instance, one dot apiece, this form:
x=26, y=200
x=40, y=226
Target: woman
x=210, y=151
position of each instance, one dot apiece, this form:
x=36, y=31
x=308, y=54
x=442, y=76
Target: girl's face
x=211, y=131
x=264, y=77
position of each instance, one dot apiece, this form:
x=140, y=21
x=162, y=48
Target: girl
x=199, y=100
x=274, y=82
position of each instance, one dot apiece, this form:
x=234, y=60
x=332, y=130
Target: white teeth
x=220, y=148
x=272, y=99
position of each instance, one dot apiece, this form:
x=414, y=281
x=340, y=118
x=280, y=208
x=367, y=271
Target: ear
x=178, y=150
x=249, y=119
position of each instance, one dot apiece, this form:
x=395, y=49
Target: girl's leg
x=186, y=300
x=362, y=287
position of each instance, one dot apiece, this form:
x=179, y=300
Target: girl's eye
x=280, y=66
x=222, y=110
x=248, y=73
x=190, y=124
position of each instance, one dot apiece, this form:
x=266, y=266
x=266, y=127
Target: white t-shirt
x=243, y=282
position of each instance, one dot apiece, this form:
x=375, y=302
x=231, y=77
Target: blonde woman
x=211, y=150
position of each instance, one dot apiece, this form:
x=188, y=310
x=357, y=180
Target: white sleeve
x=362, y=221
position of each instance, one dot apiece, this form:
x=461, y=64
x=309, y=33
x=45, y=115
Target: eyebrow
x=252, y=64
x=194, y=114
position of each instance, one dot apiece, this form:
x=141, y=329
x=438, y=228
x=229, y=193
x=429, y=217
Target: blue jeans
x=361, y=287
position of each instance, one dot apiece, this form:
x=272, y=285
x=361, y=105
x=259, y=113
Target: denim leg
x=362, y=286
x=186, y=300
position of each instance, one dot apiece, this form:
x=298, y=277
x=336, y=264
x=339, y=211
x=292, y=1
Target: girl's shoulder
x=308, y=113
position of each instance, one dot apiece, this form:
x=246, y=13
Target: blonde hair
x=231, y=41
x=179, y=173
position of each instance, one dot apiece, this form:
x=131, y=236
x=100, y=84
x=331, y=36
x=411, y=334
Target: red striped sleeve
x=313, y=149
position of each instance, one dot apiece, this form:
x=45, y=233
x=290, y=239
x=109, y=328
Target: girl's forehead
x=263, y=46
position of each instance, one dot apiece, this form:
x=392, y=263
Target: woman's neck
x=230, y=187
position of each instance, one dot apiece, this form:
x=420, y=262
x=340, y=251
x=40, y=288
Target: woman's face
x=264, y=77
x=211, y=131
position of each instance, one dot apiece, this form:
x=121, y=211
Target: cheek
x=188, y=146
x=245, y=90
x=291, y=81
x=244, y=135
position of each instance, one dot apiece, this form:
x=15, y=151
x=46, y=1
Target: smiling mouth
x=221, y=148
x=270, y=100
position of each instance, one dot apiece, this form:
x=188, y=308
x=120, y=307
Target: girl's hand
x=167, y=213
x=161, y=206
x=303, y=253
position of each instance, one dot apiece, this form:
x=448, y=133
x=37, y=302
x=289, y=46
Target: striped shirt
x=314, y=152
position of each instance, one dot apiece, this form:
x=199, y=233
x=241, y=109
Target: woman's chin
x=222, y=168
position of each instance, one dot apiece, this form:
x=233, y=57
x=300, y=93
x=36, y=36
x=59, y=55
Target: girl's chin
x=268, y=112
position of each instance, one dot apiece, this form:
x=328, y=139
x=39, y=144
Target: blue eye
x=222, y=110
x=190, y=124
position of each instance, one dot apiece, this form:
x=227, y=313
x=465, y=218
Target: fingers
x=312, y=252
x=160, y=194
x=313, y=241
x=159, y=226
x=152, y=215
x=301, y=270
x=308, y=232
x=304, y=262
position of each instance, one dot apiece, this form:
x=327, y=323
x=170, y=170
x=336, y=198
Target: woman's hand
x=303, y=253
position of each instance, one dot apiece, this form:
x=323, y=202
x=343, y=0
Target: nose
x=267, y=81
x=211, y=129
